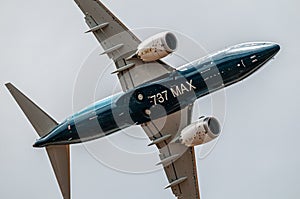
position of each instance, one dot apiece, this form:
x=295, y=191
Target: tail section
x=59, y=155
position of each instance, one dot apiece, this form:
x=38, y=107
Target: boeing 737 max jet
x=149, y=86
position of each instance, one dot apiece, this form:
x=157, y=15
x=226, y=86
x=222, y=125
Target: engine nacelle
x=157, y=47
x=200, y=132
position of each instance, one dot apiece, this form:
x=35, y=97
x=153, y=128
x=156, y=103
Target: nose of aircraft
x=271, y=49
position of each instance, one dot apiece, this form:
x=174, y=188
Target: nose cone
x=276, y=47
x=270, y=49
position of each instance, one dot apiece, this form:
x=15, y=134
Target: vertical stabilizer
x=59, y=155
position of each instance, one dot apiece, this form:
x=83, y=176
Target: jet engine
x=157, y=47
x=200, y=132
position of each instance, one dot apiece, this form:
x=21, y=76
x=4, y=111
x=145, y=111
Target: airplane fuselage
x=163, y=96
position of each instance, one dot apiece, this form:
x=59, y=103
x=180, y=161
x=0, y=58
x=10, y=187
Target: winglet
x=59, y=155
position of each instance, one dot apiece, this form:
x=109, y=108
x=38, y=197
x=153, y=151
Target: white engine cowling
x=157, y=47
x=200, y=132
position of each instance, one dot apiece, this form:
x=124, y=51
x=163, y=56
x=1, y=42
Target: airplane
x=156, y=96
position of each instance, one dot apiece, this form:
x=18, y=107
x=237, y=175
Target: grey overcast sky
x=42, y=47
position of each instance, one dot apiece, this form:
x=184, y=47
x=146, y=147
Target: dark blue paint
x=125, y=109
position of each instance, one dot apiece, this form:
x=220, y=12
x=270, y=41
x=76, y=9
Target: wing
x=119, y=43
x=178, y=160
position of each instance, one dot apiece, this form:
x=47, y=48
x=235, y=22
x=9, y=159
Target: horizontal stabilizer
x=39, y=119
x=59, y=155
x=60, y=160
